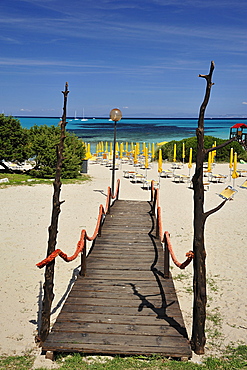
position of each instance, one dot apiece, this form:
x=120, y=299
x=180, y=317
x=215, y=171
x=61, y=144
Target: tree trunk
x=53, y=230
x=198, y=339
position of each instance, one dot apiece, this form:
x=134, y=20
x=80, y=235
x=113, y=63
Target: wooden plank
x=119, y=329
x=122, y=305
x=117, y=319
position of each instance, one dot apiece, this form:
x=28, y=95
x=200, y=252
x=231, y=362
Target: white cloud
x=244, y=102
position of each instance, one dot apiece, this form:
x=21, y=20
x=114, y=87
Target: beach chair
x=137, y=178
x=228, y=193
x=244, y=185
x=218, y=178
x=129, y=174
x=166, y=173
x=181, y=178
x=146, y=184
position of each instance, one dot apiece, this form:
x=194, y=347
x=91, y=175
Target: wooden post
x=166, y=260
x=83, y=259
x=53, y=230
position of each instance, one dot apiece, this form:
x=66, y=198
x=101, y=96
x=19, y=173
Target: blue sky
x=141, y=56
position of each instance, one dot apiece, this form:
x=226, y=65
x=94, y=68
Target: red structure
x=237, y=131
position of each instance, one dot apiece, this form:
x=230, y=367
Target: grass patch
x=25, y=179
x=231, y=359
x=16, y=362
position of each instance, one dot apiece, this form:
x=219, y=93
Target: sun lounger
x=147, y=184
x=242, y=173
x=228, y=193
x=180, y=178
x=244, y=185
x=129, y=174
x=138, y=178
x=177, y=166
x=217, y=178
x=166, y=173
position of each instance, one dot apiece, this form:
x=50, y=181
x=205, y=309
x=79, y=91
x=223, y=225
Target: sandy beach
x=25, y=216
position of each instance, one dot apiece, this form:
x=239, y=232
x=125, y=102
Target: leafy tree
x=43, y=145
x=14, y=144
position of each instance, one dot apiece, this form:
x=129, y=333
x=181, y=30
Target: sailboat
x=83, y=118
x=76, y=119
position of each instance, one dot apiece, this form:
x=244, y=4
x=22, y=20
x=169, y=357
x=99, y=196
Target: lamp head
x=115, y=114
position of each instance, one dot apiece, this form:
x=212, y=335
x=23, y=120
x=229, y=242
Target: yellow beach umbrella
x=135, y=155
x=231, y=159
x=153, y=151
x=143, y=148
x=213, y=152
x=160, y=161
x=146, y=157
x=234, y=172
x=106, y=147
x=162, y=143
x=137, y=148
x=190, y=159
x=88, y=152
x=209, y=162
x=183, y=152
x=121, y=150
x=175, y=153
x=126, y=147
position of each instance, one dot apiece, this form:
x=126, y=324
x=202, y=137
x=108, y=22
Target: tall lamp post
x=115, y=115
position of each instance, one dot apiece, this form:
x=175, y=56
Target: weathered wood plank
x=123, y=305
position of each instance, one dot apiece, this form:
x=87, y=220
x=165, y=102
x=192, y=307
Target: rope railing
x=81, y=245
x=165, y=237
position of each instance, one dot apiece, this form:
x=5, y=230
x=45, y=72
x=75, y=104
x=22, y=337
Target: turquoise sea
x=93, y=130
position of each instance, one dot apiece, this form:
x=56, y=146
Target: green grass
x=24, y=179
x=231, y=359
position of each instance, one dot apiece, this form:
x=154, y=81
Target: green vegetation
x=40, y=144
x=25, y=179
x=231, y=359
x=222, y=154
x=14, y=143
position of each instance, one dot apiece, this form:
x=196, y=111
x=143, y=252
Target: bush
x=43, y=143
x=222, y=155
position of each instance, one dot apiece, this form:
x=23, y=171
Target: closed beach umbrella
x=231, y=160
x=121, y=150
x=209, y=162
x=126, y=147
x=153, y=151
x=213, y=153
x=135, y=155
x=160, y=161
x=183, y=152
x=234, y=172
x=190, y=160
x=137, y=148
x=106, y=147
x=175, y=153
x=146, y=157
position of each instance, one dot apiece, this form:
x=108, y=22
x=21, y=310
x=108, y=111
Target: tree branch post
x=53, y=230
x=198, y=339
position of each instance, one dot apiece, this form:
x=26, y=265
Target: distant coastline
x=139, y=118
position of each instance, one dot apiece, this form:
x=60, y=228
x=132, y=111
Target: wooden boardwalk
x=123, y=305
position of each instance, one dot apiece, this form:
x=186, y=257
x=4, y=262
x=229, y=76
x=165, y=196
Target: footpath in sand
x=25, y=216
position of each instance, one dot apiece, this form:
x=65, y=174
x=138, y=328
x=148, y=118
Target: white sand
x=25, y=216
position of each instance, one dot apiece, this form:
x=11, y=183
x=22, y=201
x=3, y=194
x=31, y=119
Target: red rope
x=84, y=235
x=166, y=237
x=189, y=255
